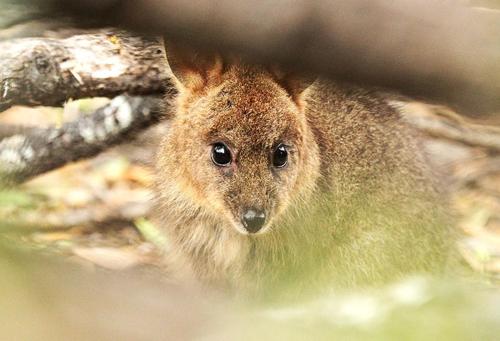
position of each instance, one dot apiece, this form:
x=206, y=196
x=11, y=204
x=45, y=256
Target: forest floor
x=96, y=212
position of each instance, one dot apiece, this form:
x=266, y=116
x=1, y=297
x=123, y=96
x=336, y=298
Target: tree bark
x=37, y=71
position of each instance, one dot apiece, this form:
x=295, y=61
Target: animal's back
x=363, y=138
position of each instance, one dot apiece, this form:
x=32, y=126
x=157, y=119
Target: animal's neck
x=218, y=254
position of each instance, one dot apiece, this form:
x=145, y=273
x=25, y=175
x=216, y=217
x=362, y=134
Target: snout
x=253, y=219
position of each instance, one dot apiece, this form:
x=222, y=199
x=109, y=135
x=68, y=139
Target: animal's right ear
x=193, y=70
x=294, y=84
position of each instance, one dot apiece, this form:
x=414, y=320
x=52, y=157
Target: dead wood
x=41, y=71
x=23, y=156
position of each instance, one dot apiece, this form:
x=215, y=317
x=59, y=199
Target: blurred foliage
x=46, y=300
x=151, y=233
x=416, y=308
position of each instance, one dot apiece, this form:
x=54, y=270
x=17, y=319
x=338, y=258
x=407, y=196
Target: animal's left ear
x=295, y=84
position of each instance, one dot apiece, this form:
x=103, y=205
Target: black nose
x=253, y=220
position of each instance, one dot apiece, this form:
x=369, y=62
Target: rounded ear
x=192, y=69
x=295, y=84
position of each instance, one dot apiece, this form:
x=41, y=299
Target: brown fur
x=355, y=204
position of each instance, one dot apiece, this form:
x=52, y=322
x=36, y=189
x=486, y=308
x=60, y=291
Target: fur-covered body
x=357, y=203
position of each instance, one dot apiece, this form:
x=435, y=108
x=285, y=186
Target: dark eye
x=221, y=155
x=280, y=156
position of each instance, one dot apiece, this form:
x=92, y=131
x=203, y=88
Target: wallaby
x=266, y=178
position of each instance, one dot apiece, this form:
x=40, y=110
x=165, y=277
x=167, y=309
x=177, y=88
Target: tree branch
x=25, y=156
x=36, y=71
x=431, y=49
x=441, y=122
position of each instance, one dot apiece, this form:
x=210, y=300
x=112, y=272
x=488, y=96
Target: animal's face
x=242, y=146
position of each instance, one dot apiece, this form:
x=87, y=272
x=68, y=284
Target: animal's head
x=239, y=145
